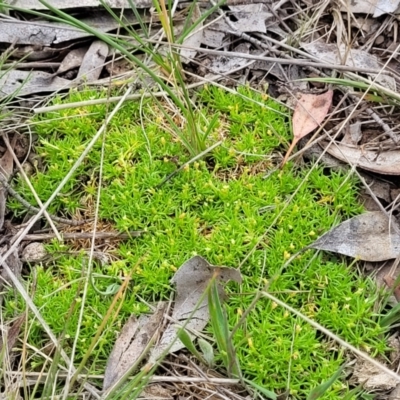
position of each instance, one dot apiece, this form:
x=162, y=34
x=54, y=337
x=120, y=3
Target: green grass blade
x=143, y=27
x=207, y=350
x=184, y=337
x=392, y=317
x=189, y=28
x=267, y=393
x=221, y=330
x=320, y=390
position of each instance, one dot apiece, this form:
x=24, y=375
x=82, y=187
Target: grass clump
x=219, y=208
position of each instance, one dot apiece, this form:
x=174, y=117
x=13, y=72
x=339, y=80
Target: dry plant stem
x=84, y=235
x=153, y=379
x=290, y=359
x=284, y=61
x=336, y=338
x=15, y=280
x=29, y=65
x=30, y=208
x=32, y=189
x=108, y=100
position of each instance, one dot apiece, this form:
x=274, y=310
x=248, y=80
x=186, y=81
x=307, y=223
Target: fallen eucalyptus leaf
x=49, y=33
x=132, y=344
x=9, y=334
x=93, y=61
x=385, y=162
x=21, y=83
x=191, y=304
x=310, y=111
x=375, y=7
x=369, y=237
x=224, y=64
x=72, y=60
x=250, y=17
x=342, y=55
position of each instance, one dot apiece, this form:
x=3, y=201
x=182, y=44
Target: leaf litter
x=310, y=111
x=190, y=311
x=371, y=236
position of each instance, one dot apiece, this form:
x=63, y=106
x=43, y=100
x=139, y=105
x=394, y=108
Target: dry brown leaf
x=310, y=111
x=369, y=237
x=385, y=162
x=192, y=280
x=93, y=61
x=131, y=343
x=72, y=60
x=10, y=334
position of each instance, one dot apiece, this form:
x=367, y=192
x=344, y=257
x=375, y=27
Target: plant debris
x=191, y=304
x=336, y=64
x=190, y=311
x=370, y=237
x=310, y=111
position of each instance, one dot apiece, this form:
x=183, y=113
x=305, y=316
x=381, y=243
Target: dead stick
x=32, y=208
x=84, y=235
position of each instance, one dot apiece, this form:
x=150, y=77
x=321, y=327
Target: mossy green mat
x=221, y=209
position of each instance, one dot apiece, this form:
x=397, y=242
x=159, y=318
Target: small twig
x=307, y=62
x=84, y=235
x=30, y=208
x=29, y=65
x=106, y=100
x=62, y=375
x=28, y=182
x=198, y=157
